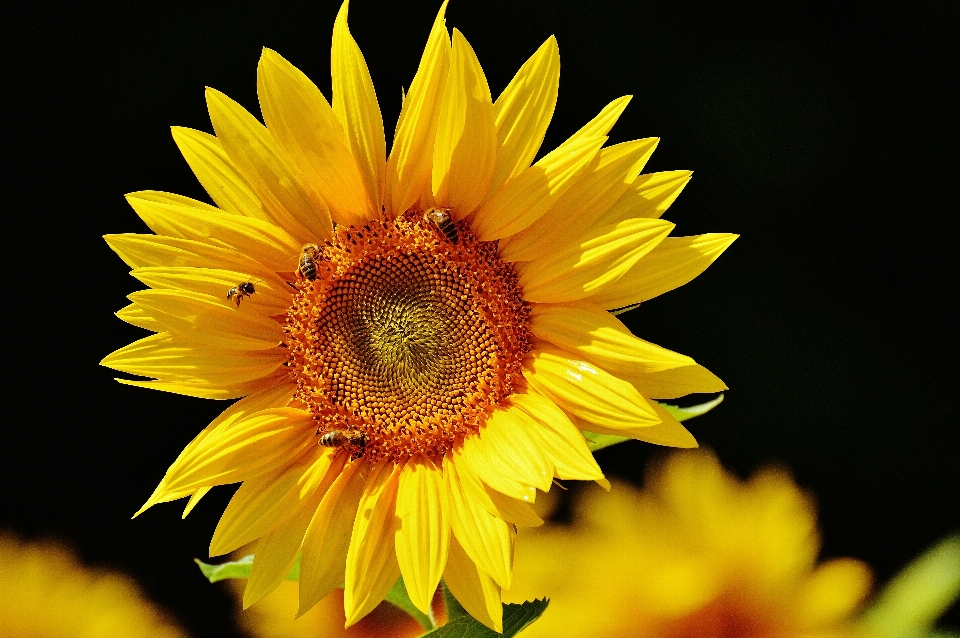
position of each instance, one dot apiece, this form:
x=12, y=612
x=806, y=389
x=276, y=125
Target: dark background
x=826, y=137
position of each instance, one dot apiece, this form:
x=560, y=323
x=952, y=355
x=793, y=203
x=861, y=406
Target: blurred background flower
x=274, y=616
x=45, y=592
x=696, y=553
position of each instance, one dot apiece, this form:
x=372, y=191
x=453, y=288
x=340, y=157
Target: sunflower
x=419, y=339
x=696, y=554
x=45, y=592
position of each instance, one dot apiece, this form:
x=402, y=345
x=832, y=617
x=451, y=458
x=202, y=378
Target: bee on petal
x=240, y=291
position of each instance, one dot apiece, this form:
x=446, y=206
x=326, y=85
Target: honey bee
x=440, y=217
x=308, y=261
x=339, y=438
x=240, y=291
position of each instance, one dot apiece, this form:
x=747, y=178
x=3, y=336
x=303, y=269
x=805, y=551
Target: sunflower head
x=406, y=340
x=418, y=340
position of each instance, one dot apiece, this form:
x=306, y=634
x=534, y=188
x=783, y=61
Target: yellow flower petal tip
x=416, y=340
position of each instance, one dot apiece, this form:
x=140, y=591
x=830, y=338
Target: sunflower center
x=409, y=335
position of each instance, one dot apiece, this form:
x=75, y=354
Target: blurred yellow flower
x=46, y=593
x=275, y=617
x=696, y=553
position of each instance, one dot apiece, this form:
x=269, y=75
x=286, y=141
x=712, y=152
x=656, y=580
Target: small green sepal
x=238, y=569
x=684, y=414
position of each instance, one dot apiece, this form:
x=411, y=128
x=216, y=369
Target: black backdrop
x=826, y=137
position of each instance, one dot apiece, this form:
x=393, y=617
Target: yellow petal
x=583, y=269
x=676, y=261
x=510, y=509
x=204, y=390
x=609, y=176
x=278, y=548
x=264, y=501
x=465, y=150
x=217, y=174
x=251, y=446
x=504, y=448
x=410, y=166
x=355, y=104
x=268, y=299
x=603, y=122
x=498, y=504
x=668, y=432
x=424, y=534
x=290, y=202
x=154, y=250
x=137, y=316
x=271, y=397
x=649, y=196
x=276, y=553
x=560, y=439
x=325, y=544
x=588, y=392
x=194, y=499
x=486, y=539
x=488, y=471
x=528, y=196
x=477, y=592
x=263, y=241
x=676, y=382
x=260, y=504
x=372, y=567
x=172, y=199
x=205, y=319
x=306, y=128
x=163, y=356
x=524, y=110
x=586, y=330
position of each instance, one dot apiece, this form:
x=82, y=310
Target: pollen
x=408, y=338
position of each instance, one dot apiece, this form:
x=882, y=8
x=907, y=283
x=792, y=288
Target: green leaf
x=516, y=618
x=683, y=414
x=238, y=569
x=233, y=569
x=398, y=597
x=912, y=601
x=599, y=441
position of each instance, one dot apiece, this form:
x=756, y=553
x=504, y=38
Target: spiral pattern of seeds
x=405, y=338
